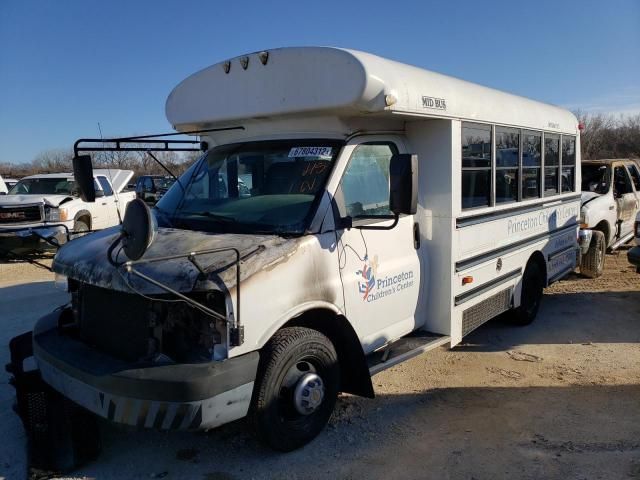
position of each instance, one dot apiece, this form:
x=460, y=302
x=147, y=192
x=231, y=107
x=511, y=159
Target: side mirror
x=138, y=229
x=403, y=184
x=83, y=173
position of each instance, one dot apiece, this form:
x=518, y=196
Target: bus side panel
x=494, y=255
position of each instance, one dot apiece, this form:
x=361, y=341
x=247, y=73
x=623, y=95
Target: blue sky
x=67, y=65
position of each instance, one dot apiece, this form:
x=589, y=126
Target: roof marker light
x=244, y=61
x=264, y=57
x=581, y=126
x=227, y=66
x=390, y=100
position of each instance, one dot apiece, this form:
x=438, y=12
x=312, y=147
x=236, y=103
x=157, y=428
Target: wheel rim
x=302, y=391
x=308, y=394
x=600, y=257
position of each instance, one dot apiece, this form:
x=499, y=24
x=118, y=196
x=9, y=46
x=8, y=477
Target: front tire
x=296, y=389
x=531, y=296
x=592, y=262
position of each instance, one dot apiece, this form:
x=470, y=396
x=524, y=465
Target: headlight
x=584, y=218
x=52, y=214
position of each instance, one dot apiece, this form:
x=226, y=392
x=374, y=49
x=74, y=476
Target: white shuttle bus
x=378, y=210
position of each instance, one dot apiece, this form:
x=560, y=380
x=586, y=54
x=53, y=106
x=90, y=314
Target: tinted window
x=365, y=182
x=104, y=185
x=476, y=165
x=531, y=163
x=507, y=162
x=507, y=147
x=568, y=151
x=551, y=164
x=476, y=146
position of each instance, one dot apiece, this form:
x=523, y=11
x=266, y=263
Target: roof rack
x=146, y=143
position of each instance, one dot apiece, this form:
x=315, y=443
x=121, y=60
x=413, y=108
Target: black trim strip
x=182, y=411
x=557, y=253
x=197, y=419
x=559, y=275
x=462, y=222
x=484, y=257
x=485, y=287
x=160, y=414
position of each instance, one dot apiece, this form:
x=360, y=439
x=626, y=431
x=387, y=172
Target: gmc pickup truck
x=44, y=210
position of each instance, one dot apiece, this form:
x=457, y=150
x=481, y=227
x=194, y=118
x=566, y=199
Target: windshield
x=163, y=183
x=44, y=186
x=258, y=187
x=596, y=178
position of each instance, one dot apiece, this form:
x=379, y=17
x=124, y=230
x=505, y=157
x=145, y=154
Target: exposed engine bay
x=148, y=329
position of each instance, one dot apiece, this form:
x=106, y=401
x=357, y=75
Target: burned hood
x=85, y=259
x=48, y=200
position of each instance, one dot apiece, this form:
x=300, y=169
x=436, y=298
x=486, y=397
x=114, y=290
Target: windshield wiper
x=214, y=216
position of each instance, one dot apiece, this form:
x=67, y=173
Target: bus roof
x=299, y=81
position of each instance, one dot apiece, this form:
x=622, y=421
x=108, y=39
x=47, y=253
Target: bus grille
x=21, y=214
x=475, y=316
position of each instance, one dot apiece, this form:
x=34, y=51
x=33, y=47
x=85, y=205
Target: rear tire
x=290, y=406
x=592, y=262
x=531, y=296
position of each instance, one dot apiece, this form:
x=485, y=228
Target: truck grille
x=21, y=214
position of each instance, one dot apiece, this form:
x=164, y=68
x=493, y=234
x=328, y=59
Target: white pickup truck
x=610, y=203
x=46, y=208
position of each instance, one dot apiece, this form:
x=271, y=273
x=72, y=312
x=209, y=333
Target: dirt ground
x=559, y=399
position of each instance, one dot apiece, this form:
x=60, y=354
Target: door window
x=635, y=176
x=365, y=183
x=621, y=181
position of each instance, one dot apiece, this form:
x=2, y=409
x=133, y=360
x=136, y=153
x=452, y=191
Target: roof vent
x=264, y=57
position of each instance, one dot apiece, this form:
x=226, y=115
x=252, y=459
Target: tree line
x=61, y=160
x=603, y=136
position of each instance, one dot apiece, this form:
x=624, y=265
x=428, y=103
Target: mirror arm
x=347, y=222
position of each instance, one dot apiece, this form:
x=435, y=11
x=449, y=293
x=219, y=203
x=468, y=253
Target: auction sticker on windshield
x=322, y=152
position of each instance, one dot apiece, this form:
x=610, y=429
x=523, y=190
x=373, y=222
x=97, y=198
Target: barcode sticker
x=322, y=152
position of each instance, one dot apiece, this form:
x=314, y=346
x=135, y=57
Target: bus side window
x=551, y=164
x=476, y=165
x=568, y=164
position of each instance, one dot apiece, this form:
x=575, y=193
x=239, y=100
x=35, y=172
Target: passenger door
x=626, y=200
x=634, y=172
x=107, y=204
x=380, y=269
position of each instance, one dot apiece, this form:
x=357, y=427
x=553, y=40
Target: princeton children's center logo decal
x=373, y=288
x=367, y=276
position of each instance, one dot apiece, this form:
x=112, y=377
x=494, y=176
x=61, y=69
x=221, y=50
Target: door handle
x=416, y=236
x=103, y=203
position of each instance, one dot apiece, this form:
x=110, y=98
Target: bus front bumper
x=165, y=396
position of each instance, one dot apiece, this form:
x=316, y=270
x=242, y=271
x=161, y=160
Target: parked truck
x=634, y=253
x=44, y=210
x=354, y=213
x=609, y=205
